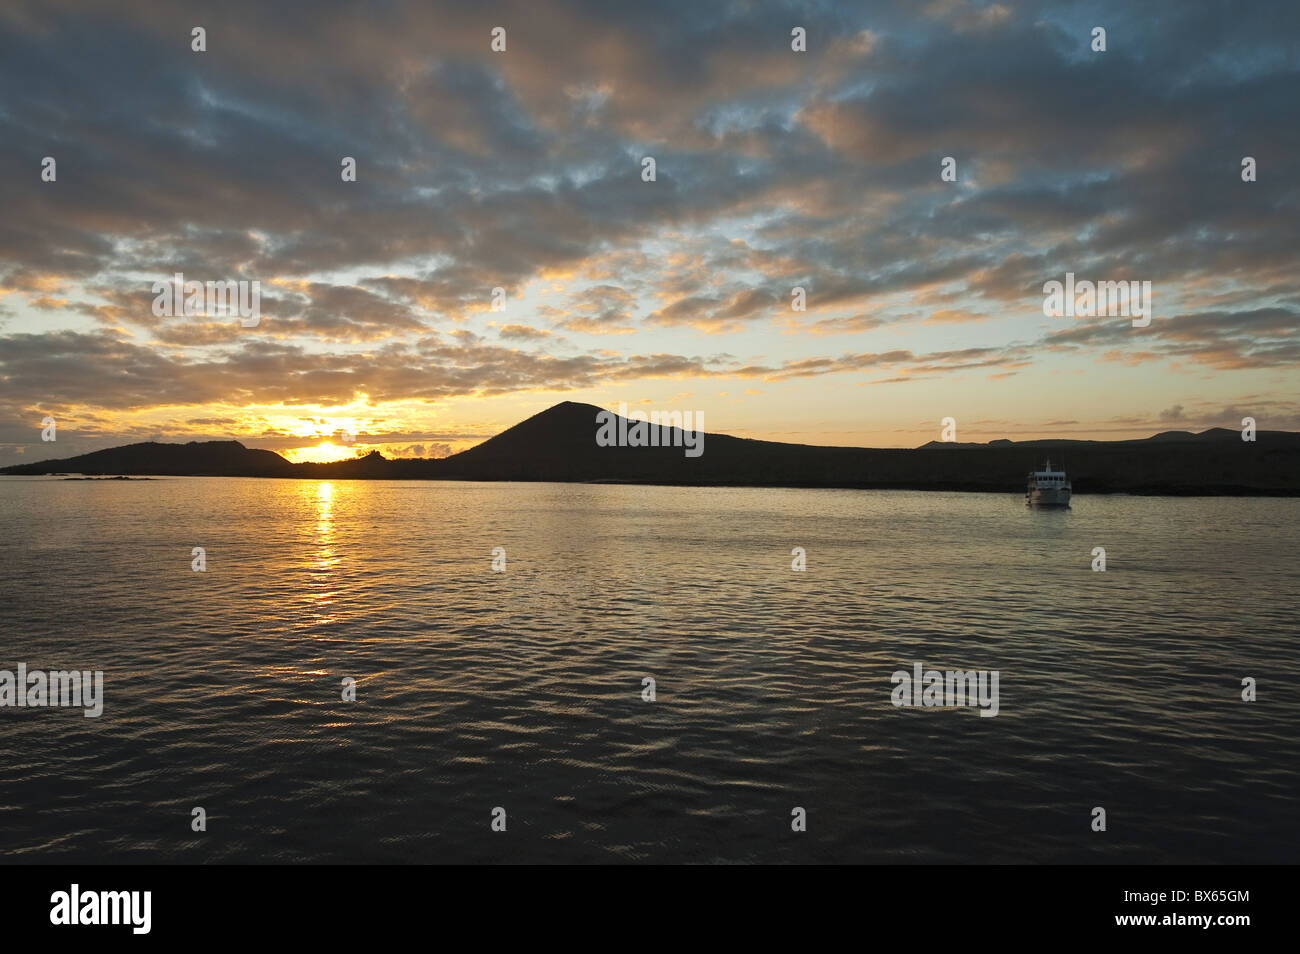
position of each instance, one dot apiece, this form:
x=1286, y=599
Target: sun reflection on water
x=323, y=583
x=324, y=508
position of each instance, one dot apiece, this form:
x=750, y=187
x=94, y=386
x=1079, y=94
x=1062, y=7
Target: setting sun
x=322, y=453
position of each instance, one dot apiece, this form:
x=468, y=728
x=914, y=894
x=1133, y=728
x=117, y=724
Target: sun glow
x=322, y=453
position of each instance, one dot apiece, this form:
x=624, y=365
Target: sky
x=523, y=170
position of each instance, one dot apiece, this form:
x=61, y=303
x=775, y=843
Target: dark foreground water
x=522, y=690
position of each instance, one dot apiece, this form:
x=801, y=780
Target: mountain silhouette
x=559, y=444
x=205, y=458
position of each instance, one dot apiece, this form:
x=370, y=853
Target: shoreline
x=1149, y=491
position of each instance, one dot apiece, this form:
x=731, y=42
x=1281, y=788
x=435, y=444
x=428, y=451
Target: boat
x=1048, y=488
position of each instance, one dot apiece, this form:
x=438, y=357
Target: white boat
x=1048, y=488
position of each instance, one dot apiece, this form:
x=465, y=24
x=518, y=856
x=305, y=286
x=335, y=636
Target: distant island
x=559, y=445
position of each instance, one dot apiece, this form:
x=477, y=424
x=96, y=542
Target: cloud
x=522, y=333
x=522, y=171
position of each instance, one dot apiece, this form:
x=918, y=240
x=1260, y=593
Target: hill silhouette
x=559, y=444
x=197, y=458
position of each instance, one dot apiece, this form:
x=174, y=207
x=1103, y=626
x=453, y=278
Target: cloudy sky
x=522, y=170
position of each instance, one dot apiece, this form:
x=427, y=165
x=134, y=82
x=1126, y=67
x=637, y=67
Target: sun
x=322, y=453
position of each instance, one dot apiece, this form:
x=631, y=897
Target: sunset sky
x=523, y=169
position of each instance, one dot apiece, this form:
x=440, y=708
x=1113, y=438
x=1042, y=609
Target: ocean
x=520, y=695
